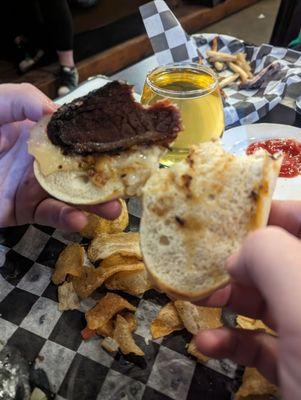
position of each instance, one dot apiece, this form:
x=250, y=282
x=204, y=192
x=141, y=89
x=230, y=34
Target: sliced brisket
x=109, y=120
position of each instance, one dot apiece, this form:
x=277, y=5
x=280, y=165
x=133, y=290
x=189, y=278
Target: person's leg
x=66, y=58
x=20, y=37
x=58, y=19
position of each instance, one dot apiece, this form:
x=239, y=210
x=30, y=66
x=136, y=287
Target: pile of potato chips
x=113, y=260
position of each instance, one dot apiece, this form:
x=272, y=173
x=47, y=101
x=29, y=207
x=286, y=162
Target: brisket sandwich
x=102, y=146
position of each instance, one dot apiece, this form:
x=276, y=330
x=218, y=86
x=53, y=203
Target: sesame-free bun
x=198, y=212
x=68, y=178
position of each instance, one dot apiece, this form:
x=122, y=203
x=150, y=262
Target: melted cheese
x=49, y=157
x=131, y=166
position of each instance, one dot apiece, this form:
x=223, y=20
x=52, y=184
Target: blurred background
x=52, y=43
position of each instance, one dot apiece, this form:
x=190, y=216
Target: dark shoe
x=28, y=56
x=68, y=80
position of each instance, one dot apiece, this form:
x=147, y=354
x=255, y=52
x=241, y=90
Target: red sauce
x=291, y=150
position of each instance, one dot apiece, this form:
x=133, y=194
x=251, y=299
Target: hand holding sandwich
x=22, y=199
x=266, y=276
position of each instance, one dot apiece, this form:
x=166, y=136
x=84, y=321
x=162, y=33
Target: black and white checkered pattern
x=248, y=106
x=171, y=44
x=169, y=40
x=51, y=340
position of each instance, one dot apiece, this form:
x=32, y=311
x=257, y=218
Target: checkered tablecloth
x=171, y=44
x=50, y=340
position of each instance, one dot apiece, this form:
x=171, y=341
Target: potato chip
x=196, y=318
x=253, y=324
x=106, y=245
x=38, y=394
x=97, y=225
x=109, y=344
x=95, y=277
x=167, y=321
x=117, y=259
x=68, y=299
x=189, y=315
x=123, y=336
x=253, y=385
x=131, y=320
x=135, y=283
x=107, y=329
x=70, y=262
x=210, y=317
x=192, y=349
x=105, y=309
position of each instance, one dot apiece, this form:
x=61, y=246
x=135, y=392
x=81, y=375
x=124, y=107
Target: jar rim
x=181, y=93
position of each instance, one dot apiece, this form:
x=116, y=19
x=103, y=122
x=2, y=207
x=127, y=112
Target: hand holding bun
x=198, y=212
x=102, y=146
x=22, y=199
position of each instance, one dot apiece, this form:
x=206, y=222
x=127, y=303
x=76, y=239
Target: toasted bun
x=197, y=213
x=62, y=176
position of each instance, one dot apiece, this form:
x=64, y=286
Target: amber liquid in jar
x=194, y=89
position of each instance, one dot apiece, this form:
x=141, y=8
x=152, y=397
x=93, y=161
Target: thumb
x=23, y=101
x=59, y=215
x=270, y=261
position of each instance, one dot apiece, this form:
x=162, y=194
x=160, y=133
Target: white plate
x=236, y=140
x=95, y=82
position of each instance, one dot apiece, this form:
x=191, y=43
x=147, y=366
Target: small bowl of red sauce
x=289, y=148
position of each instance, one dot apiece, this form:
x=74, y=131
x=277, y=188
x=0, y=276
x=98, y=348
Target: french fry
x=237, y=69
x=219, y=66
x=243, y=63
x=223, y=57
x=227, y=81
x=214, y=44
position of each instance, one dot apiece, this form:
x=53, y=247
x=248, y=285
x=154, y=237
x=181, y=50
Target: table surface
x=30, y=321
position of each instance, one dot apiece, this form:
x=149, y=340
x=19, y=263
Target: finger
x=110, y=210
x=270, y=262
x=54, y=213
x=250, y=348
x=23, y=101
x=242, y=300
x=287, y=215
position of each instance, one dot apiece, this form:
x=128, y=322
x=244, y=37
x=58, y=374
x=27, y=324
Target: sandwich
x=198, y=212
x=102, y=146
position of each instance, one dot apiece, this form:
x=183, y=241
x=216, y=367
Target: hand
x=265, y=284
x=21, y=197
